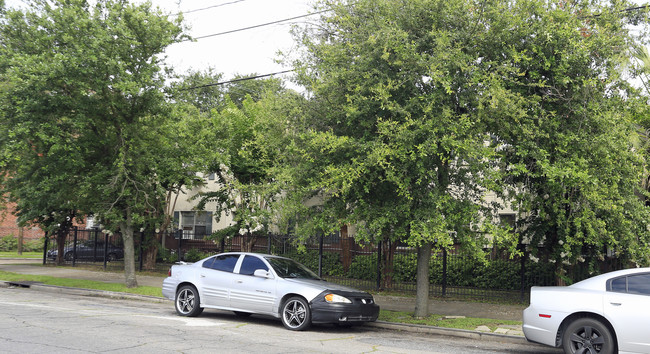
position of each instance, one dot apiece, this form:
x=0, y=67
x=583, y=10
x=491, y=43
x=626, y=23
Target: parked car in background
x=608, y=313
x=250, y=283
x=90, y=249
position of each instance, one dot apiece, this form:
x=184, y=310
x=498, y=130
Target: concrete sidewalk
x=394, y=303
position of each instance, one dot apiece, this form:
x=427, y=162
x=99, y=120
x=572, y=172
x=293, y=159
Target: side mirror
x=263, y=274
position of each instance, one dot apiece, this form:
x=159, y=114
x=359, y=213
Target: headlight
x=333, y=298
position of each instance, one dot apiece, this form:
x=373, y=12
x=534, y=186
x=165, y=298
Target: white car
x=248, y=283
x=608, y=313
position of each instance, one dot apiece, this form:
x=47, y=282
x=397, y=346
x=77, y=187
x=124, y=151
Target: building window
x=196, y=225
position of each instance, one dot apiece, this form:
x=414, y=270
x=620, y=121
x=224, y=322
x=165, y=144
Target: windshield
x=288, y=268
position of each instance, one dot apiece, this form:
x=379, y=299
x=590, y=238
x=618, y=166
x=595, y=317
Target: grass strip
x=468, y=323
x=80, y=283
x=14, y=254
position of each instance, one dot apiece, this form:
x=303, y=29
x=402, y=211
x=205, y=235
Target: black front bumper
x=362, y=309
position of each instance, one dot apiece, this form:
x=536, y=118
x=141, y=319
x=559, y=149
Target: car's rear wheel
x=67, y=256
x=188, y=302
x=588, y=336
x=296, y=314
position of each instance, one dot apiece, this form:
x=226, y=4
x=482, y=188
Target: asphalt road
x=43, y=322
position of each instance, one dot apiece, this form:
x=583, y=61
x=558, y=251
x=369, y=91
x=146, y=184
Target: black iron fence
x=387, y=267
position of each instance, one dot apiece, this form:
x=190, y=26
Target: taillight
x=169, y=272
x=544, y=315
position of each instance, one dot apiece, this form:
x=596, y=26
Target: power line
x=207, y=8
x=237, y=80
x=257, y=26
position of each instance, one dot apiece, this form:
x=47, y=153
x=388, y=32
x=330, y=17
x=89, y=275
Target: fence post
x=523, y=273
x=179, y=232
x=444, y=271
x=105, y=249
x=268, y=244
x=320, y=254
x=74, y=247
x=45, y=248
x=141, y=248
x=379, y=266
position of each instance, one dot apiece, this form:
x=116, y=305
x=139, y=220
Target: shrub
x=332, y=265
x=194, y=255
x=8, y=243
x=363, y=267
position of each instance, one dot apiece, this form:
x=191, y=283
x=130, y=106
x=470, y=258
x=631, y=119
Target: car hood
x=322, y=285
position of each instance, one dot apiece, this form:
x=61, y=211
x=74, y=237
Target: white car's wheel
x=588, y=336
x=188, y=302
x=296, y=314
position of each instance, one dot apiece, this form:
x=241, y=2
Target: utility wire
x=207, y=8
x=257, y=26
x=237, y=80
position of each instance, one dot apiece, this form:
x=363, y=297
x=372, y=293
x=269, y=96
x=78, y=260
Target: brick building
x=8, y=225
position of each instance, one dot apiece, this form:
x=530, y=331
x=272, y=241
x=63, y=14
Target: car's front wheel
x=296, y=314
x=188, y=302
x=588, y=336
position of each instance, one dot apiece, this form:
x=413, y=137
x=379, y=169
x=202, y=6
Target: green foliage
x=8, y=243
x=194, y=255
x=83, y=107
x=363, y=267
x=332, y=265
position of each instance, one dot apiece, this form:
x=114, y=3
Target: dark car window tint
x=224, y=263
x=251, y=264
x=618, y=285
x=639, y=284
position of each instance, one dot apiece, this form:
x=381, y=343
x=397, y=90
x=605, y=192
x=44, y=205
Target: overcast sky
x=244, y=52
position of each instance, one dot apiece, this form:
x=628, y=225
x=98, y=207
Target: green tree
x=93, y=74
x=564, y=121
x=421, y=106
x=246, y=135
x=395, y=145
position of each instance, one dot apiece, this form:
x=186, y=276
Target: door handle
x=202, y=275
x=615, y=303
x=239, y=281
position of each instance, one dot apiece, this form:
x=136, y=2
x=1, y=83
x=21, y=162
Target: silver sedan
x=250, y=283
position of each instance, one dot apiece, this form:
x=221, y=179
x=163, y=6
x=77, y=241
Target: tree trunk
x=60, y=246
x=126, y=228
x=150, y=252
x=422, y=286
x=388, y=252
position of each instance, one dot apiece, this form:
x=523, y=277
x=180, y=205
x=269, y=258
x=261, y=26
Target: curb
x=463, y=333
x=82, y=292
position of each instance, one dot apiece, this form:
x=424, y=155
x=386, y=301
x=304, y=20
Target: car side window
x=251, y=264
x=618, y=285
x=631, y=284
x=638, y=284
x=225, y=262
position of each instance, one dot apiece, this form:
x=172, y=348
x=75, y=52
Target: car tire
x=296, y=314
x=188, y=302
x=589, y=336
x=111, y=257
x=67, y=256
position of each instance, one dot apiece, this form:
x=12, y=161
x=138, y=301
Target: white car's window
x=250, y=264
x=631, y=284
x=618, y=285
x=639, y=284
x=225, y=262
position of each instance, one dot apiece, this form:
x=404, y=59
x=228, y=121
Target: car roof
x=598, y=282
